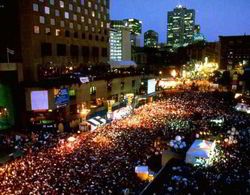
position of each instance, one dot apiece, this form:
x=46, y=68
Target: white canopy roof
x=97, y=121
x=122, y=64
x=141, y=169
x=201, y=148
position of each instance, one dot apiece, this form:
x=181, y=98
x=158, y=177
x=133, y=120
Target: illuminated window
x=78, y=9
x=71, y=25
x=58, y=32
x=35, y=7
x=82, y=18
x=89, y=21
x=75, y=17
x=52, y=2
x=57, y=12
x=42, y=19
x=61, y=4
x=93, y=14
x=46, y=10
x=36, y=29
x=62, y=24
x=66, y=15
x=47, y=31
x=71, y=7
x=82, y=2
x=52, y=21
x=89, y=4
x=78, y=26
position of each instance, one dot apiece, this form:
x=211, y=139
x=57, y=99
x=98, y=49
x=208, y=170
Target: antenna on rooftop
x=179, y=5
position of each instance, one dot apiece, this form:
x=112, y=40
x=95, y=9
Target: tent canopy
x=141, y=169
x=97, y=121
x=122, y=64
x=201, y=149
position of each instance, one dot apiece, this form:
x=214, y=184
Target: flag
x=10, y=51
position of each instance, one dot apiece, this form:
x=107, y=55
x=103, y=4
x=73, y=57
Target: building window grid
x=62, y=4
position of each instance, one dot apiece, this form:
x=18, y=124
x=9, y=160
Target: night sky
x=216, y=17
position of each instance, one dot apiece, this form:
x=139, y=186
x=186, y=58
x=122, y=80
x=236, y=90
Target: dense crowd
x=103, y=162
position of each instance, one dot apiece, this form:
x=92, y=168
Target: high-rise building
x=151, y=38
x=181, y=25
x=53, y=34
x=119, y=44
x=135, y=27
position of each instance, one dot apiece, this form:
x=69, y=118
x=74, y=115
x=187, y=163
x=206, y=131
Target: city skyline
x=228, y=21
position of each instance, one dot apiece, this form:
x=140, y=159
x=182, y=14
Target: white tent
x=96, y=122
x=243, y=107
x=200, y=152
x=122, y=64
x=122, y=112
x=141, y=169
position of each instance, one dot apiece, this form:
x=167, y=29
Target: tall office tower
x=181, y=23
x=54, y=35
x=151, y=38
x=119, y=41
x=135, y=27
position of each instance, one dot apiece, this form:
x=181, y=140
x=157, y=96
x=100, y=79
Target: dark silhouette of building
x=234, y=50
x=151, y=38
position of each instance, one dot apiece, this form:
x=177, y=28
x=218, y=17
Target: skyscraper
x=119, y=41
x=151, y=38
x=52, y=32
x=135, y=27
x=181, y=26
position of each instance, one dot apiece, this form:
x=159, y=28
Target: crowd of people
x=104, y=161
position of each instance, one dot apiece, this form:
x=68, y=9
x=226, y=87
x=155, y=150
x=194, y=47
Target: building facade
x=51, y=36
x=234, y=50
x=119, y=42
x=92, y=95
x=181, y=26
x=200, y=50
x=151, y=38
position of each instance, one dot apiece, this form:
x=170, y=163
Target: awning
x=97, y=121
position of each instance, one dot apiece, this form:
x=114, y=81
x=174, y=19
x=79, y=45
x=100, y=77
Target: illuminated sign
x=39, y=100
x=151, y=86
x=84, y=79
x=62, y=97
